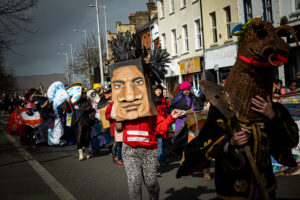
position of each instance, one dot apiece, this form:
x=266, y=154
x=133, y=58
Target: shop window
x=163, y=41
x=248, y=10
x=174, y=42
x=297, y=4
x=214, y=27
x=198, y=33
x=228, y=21
x=185, y=38
x=172, y=6
x=162, y=8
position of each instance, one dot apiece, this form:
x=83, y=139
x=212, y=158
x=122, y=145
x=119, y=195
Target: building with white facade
x=180, y=32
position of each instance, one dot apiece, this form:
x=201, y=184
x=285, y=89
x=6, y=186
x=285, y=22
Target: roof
x=26, y=82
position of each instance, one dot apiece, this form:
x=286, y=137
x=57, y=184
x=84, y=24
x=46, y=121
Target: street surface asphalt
x=50, y=173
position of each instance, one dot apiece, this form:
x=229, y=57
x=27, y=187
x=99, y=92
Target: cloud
x=54, y=21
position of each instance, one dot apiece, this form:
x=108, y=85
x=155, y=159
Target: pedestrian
x=4, y=103
x=134, y=108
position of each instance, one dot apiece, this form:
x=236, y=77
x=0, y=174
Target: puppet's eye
x=118, y=86
x=138, y=82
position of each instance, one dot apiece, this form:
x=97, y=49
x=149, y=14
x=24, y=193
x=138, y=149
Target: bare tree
x=86, y=58
x=13, y=20
x=7, y=80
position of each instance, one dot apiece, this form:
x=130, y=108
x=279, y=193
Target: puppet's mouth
x=131, y=105
x=277, y=59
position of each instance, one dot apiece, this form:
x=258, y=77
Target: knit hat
x=96, y=85
x=29, y=105
x=185, y=86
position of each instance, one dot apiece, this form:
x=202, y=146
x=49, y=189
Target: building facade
x=290, y=15
x=220, y=46
x=180, y=32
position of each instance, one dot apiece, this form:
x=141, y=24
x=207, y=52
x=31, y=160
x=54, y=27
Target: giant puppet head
x=131, y=78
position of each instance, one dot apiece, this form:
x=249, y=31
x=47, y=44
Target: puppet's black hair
x=128, y=47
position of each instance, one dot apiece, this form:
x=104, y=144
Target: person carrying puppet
x=134, y=108
x=258, y=129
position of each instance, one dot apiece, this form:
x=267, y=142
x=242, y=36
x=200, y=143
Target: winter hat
x=29, y=105
x=185, y=86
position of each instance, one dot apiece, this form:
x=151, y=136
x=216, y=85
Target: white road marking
x=57, y=188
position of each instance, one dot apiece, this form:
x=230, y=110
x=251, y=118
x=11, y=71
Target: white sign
x=223, y=57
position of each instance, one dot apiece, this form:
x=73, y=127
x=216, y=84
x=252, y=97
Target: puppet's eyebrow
x=137, y=78
x=117, y=81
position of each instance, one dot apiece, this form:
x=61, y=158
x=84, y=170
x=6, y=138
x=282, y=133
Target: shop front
x=219, y=60
x=190, y=69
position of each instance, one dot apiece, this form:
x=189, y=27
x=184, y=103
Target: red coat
x=111, y=121
x=162, y=109
x=142, y=132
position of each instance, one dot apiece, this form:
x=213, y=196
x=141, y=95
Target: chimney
x=150, y=6
x=132, y=20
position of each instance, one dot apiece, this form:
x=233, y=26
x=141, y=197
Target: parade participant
x=58, y=96
x=84, y=128
x=117, y=133
x=31, y=120
x=162, y=105
x=266, y=127
x=15, y=101
x=185, y=100
x=133, y=107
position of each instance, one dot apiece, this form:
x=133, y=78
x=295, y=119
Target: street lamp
x=70, y=45
x=106, y=41
x=66, y=54
x=99, y=44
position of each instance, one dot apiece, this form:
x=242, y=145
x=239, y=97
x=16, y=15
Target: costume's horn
x=288, y=29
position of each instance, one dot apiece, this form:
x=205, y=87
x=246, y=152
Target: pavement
x=50, y=173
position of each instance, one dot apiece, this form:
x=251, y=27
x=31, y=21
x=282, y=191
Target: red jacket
x=142, y=132
x=162, y=109
x=111, y=121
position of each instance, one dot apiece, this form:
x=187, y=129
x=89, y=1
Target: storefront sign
x=190, y=65
x=223, y=57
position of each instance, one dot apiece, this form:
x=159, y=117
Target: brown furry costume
x=259, y=49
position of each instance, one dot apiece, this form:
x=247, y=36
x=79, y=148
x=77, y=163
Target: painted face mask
x=131, y=91
x=93, y=95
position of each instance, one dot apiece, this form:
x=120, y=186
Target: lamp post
x=99, y=44
x=70, y=45
x=86, y=52
x=66, y=54
x=106, y=41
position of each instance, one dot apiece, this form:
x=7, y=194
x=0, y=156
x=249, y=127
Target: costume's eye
x=138, y=82
x=117, y=86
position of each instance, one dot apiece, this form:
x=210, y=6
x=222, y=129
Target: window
x=174, y=42
x=183, y=3
x=198, y=34
x=248, y=10
x=228, y=20
x=297, y=4
x=214, y=26
x=185, y=38
x=162, y=7
x=163, y=41
x=172, y=6
x=269, y=16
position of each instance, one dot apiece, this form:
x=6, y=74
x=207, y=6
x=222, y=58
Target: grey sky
x=54, y=22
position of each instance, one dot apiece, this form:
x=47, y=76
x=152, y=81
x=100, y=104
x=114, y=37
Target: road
x=50, y=173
